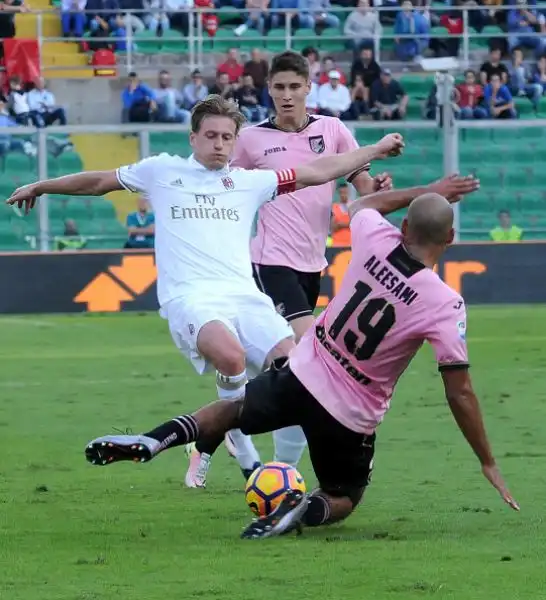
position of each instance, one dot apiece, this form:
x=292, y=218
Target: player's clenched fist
x=26, y=195
x=390, y=145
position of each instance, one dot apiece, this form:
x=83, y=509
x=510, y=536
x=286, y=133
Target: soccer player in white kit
x=204, y=212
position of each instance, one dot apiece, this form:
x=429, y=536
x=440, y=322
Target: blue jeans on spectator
x=538, y=44
x=152, y=22
x=533, y=91
x=408, y=49
x=505, y=114
x=168, y=112
x=467, y=112
x=11, y=144
x=254, y=114
x=73, y=22
x=308, y=21
x=358, y=45
x=258, y=20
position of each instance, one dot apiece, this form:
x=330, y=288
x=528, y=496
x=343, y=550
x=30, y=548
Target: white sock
x=233, y=388
x=290, y=443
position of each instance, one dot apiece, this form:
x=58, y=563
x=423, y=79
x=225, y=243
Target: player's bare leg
x=297, y=509
x=219, y=346
x=290, y=442
x=209, y=424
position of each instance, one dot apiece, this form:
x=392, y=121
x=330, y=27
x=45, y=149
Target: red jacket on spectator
x=454, y=25
x=469, y=95
x=233, y=69
x=209, y=20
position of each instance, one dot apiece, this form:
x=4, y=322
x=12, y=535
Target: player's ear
x=404, y=227
x=450, y=237
x=192, y=139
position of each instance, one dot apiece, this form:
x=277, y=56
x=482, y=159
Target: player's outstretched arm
x=90, y=183
x=466, y=410
x=330, y=168
x=452, y=188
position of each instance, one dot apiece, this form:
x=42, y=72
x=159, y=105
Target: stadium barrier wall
x=73, y=282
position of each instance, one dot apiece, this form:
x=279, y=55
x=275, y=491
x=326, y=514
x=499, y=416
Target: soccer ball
x=268, y=484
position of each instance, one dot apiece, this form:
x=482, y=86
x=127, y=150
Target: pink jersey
x=292, y=231
x=388, y=305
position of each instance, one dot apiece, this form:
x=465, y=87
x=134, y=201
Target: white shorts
x=250, y=316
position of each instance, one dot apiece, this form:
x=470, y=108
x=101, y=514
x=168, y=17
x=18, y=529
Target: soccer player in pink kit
x=288, y=249
x=338, y=382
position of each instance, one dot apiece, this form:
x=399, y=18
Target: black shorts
x=342, y=459
x=294, y=293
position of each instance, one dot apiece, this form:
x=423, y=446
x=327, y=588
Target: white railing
x=197, y=37
x=447, y=139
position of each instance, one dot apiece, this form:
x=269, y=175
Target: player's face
x=288, y=91
x=213, y=143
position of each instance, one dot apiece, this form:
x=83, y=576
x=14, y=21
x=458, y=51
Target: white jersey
x=203, y=221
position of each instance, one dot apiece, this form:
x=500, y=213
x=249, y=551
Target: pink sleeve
x=346, y=143
x=448, y=335
x=240, y=156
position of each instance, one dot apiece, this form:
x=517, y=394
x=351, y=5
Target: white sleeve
x=137, y=177
x=268, y=184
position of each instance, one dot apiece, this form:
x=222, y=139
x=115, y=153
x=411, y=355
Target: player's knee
x=281, y=350
x=231, y=363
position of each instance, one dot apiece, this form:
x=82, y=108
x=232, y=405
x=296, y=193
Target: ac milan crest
x=228, y=183
x=316, y=143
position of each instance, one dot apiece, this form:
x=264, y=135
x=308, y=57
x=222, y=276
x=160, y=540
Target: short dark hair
x=289, y=61
x=504, y=212
x=470, y=71
x=215, y=105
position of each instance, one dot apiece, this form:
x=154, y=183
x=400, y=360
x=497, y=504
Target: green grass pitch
x=430, y=525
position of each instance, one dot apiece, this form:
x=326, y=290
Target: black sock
x=208, y=445
x=318, y=511
x=176, y=432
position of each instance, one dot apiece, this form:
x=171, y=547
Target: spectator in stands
x=311, y=101
x=449, y=46
x=232, y=67
x=223, y=87
x=195, y=91
x=367, y=68
x=157, y=19
x=132, y=20
x=257, y=17
x=410, y=23
x=388, y=100
x=315, y=14
x=498, y=100
x=312, y=56
x=8, y=10
x=178, y=12
x=104, y=19
x=258, y=68
x=141, y=226
x=334, y=98
x=18, y=102
x=169, y=101
x=248, y=97
x=12, y=143
x=493, y=66
x=523, y=25
x=290, y=12
x=340, y=230
x=329, y=65
x=539, y=74
x=505, y=231
x=362, y=27
x=139, y=103
x=71, y=238
x=73, y=18
x=519, y=82
x=360, y=96
x=468, y=97
x=44, y=110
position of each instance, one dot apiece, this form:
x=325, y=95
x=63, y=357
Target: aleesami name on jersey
x=292, y=232
x=388, y=305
